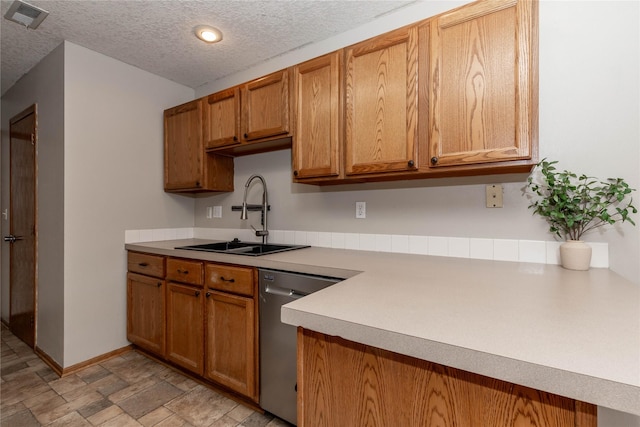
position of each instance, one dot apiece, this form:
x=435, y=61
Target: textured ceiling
x=157, y=35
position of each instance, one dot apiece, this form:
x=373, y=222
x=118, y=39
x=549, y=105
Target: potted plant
x=576, y=204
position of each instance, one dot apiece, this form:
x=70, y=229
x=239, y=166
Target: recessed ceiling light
x=208, y=34
x=25, y=14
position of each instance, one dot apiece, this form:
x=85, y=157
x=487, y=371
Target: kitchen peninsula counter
x=571, y=333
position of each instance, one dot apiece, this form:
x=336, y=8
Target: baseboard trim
x=61, y=372
x=49, y=361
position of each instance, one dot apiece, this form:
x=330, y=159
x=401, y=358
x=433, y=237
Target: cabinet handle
x=227, y=280
x=183, y=271
x=434, y=160
x=411, y=163
x=143, y=264
x=295, y=173
x=197, y=293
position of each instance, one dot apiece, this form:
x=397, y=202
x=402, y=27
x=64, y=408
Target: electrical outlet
x=494, y=196
x=361, y=210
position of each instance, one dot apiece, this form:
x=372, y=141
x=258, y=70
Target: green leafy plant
x=575, y=204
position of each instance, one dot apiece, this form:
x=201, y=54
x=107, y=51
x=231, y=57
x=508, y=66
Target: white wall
x=44, y=86
x=589, y=121
x=113, y=182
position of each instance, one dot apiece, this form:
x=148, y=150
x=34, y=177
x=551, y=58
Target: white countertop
x=571, y=333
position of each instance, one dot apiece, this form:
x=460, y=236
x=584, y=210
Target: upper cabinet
x=381, y=108
x=482, y=86
x=222, y=119
x=265, y=107
x=249, y=118
x=453, y=95
x=318, y=117
x=187, y=168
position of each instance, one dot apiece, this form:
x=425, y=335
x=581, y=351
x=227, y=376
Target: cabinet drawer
x=237, y=280
x=150, y=265
x=185, y=271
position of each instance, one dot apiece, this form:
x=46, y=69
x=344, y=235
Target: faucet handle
x=260, y=233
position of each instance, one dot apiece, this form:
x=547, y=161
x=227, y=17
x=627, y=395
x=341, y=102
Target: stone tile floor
x=127, y=390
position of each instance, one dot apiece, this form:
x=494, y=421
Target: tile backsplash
x=536, y=251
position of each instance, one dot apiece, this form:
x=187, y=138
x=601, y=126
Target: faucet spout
x=244, y=215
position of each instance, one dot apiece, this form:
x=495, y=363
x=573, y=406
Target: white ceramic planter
x=575, y=255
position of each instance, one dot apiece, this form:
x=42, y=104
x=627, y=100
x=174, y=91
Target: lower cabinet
x=146, y=312
x=199, y=316
x=231, y=342
x=185, y=327
x=343, y=383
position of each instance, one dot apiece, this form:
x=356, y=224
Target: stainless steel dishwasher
x=278, y=340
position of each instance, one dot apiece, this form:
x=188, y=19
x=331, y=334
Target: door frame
x=32, y=109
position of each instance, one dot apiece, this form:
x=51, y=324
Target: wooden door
x=183, y=148
x=146, y=312
x=23, y=230
x=381, y=104
x=222, y=119
x=185, y=326
x=318, y=119
x=265, y=107
x=231, y=346
x=483, y=89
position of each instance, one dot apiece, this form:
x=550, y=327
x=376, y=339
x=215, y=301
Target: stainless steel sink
x=242, y=248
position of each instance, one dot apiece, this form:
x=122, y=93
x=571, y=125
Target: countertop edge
x=598, y=391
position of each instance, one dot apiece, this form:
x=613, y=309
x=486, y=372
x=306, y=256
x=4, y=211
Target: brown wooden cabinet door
x=222, y=119
x=231, y=346
x=185, y=326
x=318, y=119
x=343, y=383
x=183, y=150
x=265, y=107
x=483, y=89
x=381, y=104
x=146, y=312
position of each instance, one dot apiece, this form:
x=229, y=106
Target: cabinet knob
x=246, y=136
x=295, y=173
x=197, y=183
x=411, y=163
x=208, y=294
x=197, y=293
x=235, y=138
x=434, y=160
x=159, y=284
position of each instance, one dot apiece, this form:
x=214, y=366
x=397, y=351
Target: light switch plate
x=217, y=211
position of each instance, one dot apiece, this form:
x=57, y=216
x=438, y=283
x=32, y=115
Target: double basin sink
x=237, y=247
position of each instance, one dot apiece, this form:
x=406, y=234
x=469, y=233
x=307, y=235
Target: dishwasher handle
x=287, y=292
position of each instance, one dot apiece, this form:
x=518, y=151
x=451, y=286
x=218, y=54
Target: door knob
x=11, y=238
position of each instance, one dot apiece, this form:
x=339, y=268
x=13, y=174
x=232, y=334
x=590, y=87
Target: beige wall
x=44, y=86
x=113, y=182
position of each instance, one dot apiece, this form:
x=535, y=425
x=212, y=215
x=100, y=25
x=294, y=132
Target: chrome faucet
x=265, y=207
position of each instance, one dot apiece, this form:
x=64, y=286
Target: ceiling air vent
x=26, y=14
